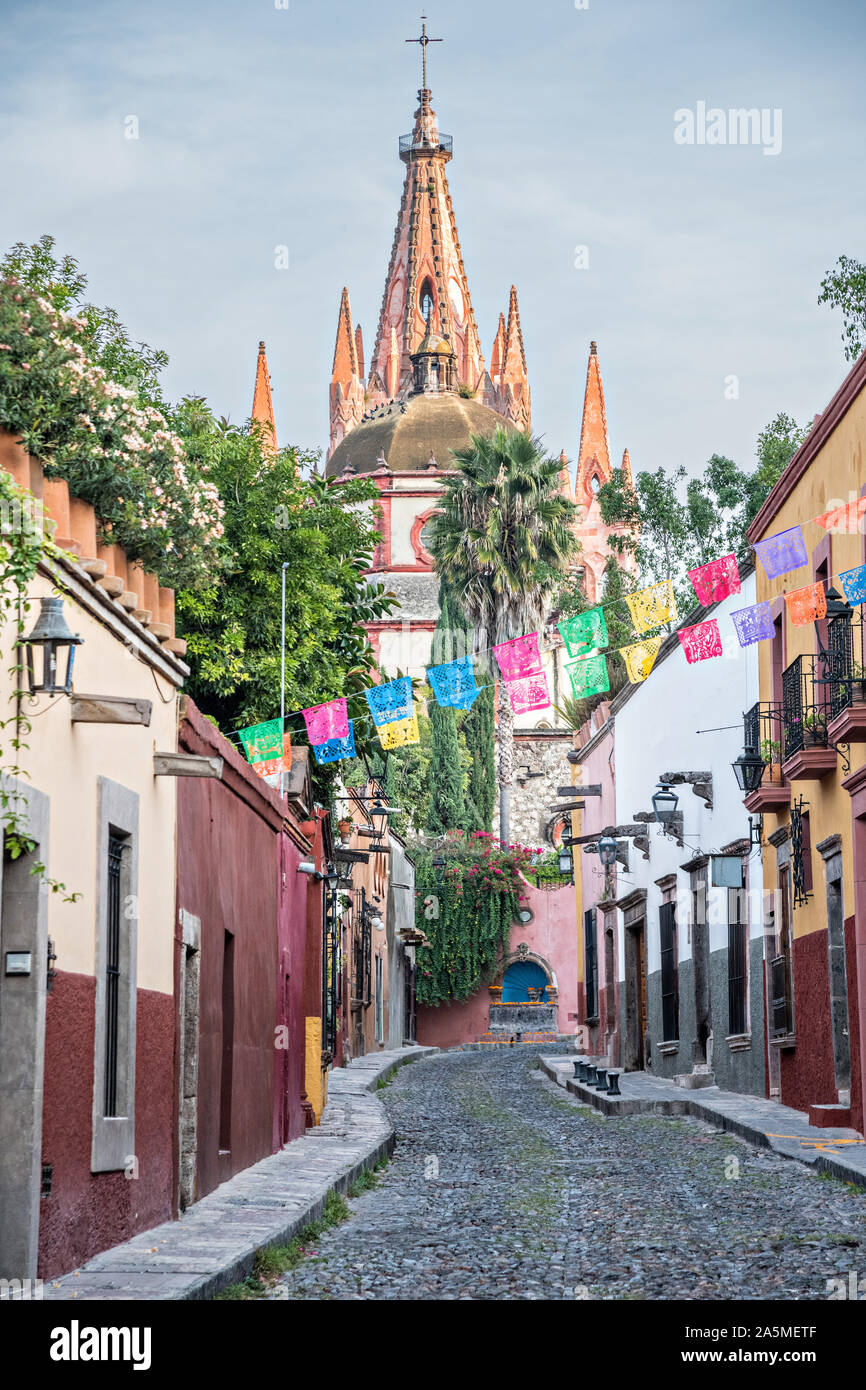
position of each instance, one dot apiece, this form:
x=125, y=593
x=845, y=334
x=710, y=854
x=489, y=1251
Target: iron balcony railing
x=846, y=662
x=763, y=730
x=409, y=145
x=806, y=702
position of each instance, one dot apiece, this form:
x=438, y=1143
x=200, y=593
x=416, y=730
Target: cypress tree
x=446, y=810
x=479, y=730
x=478, y=726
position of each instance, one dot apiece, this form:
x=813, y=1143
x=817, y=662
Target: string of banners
x=392, y=708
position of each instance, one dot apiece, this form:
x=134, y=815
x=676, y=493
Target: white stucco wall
x=656, y=732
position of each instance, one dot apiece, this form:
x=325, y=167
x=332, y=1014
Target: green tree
x=616, y=583
x=480, y=730
x=503, y=541
x=325, y=534
x=844, y=287
x=777, y=444
x=106, y=341
x=446, y=809
x=675, y=523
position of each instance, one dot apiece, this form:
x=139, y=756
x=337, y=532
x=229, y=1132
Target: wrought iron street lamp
x=749, y=770
x=836, y=606
x=607, y=851
x=51, y=633
x=566, y=864
x=665, y=802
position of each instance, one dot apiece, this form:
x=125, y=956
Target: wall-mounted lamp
x=665, y=803
x=51, y=633
x=607, y=851
x=566, y=864
x=749, y=770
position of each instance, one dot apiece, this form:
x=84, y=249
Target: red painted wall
x=857, y=1116
x=230, y=864
x=89, y=1212
x=807, y=1075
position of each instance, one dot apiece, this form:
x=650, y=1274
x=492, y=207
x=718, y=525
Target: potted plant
x=345, y=827
x=771, y=752
x=814, y=729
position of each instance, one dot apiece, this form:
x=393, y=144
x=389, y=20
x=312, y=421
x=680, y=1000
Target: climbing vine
x=468, y=896
x=23, y=543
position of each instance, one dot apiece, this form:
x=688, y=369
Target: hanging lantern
x=836, y=605
x=51, y=633
x=566, y=863
x=749, y=770
x=665, y=803
x=607, y=851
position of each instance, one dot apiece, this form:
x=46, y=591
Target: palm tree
x=504, y=541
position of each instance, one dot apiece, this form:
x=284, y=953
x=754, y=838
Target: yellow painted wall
x=64, y=761
x=315, y=1079
x=834, y=477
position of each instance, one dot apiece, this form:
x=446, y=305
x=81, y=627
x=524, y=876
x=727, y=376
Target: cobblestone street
x=502, y=1186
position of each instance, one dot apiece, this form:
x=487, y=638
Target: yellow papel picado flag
x=399, y=732
x=653, y=606
x=640, y=658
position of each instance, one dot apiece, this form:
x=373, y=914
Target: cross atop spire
x=424, y=40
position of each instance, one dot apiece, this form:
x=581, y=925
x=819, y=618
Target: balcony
x=847, y=702
x=763, y=730
x=807, y=695
x=413, y=148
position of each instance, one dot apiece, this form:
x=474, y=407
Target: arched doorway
x=519, y=978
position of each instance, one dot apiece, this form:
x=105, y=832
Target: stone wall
x=541, y=765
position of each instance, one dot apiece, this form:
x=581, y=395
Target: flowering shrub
x=468, y=896
x=114, y=451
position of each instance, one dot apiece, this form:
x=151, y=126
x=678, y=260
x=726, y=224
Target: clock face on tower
x=455, y=294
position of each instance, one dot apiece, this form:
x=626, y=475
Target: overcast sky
x=262, y=126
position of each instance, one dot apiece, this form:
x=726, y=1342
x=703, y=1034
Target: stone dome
x=409, y=432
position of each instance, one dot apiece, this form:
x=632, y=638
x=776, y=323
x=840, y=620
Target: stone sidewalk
x=841, y=1152
x=214, y=1243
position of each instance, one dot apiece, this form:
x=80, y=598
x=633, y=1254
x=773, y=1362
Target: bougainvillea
x=469, y=895
x=114, y=448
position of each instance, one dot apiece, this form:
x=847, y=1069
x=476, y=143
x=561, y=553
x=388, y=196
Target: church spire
x=564, y=477
x=347, y=391
x=263, y=406
x=426, y=286
x=593, y=461
x=497, y=354
x=514, y=384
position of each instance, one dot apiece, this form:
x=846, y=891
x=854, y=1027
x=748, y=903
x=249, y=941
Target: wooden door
x=640, y=963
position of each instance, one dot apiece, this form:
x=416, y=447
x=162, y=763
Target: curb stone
x=215, y=1242
x=749, y=1117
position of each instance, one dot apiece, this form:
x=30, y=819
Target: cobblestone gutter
x=215, y=1242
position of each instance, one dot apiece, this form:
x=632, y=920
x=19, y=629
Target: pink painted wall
x=552, y=934
x=600, y=811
